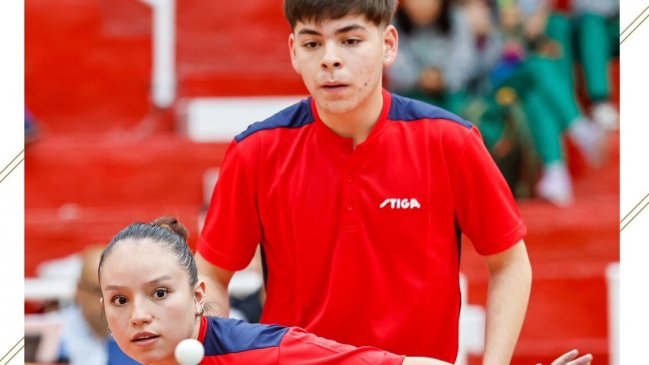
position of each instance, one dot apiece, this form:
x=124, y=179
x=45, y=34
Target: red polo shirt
x=361, y=245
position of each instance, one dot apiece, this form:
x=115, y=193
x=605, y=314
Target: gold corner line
x=13, y=351
x=634, y=212
x=626, y=33
x=11, y=166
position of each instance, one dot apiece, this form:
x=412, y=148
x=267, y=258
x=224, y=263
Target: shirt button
x=349, y=179
x=350, y=207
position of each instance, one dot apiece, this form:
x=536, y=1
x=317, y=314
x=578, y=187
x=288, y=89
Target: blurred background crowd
x=512, y=68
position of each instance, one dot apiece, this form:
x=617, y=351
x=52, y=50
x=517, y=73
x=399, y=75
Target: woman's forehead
x=138, y=250
x=135, y=264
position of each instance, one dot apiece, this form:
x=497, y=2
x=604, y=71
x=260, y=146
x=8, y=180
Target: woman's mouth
x=144, y=339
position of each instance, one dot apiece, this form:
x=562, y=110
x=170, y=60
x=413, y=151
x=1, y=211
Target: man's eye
x=310, y=45
x=119, y=300
x=352, y=41
x=160, y=293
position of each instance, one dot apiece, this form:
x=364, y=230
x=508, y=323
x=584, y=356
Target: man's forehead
x=346, y=23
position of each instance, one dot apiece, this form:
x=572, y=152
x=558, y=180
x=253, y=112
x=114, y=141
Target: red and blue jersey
x=233, y=342
x=367, y=236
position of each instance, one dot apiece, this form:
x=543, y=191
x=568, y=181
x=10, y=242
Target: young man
x=358, y=198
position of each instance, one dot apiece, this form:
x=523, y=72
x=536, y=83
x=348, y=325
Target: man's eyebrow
x=346, y=29
x=350, y=28
x=307, y=31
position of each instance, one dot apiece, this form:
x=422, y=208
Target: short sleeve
x=485, y=207
x=232, y=227
x=301, y=347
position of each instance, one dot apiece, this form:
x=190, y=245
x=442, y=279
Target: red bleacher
x=105, y=157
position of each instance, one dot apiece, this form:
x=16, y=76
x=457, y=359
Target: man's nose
x=331, y=58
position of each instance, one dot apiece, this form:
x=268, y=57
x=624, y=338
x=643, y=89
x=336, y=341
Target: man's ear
x=390, y=45
x=291, y=49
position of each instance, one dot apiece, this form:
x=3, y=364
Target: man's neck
x=358, y=123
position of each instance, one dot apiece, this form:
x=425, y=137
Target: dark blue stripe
x=226, y=336
x=407, y=109
x=295, y=116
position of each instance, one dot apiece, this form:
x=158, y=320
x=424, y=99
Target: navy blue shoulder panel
x=226, y=336
x=407, y=109
x=295, y=116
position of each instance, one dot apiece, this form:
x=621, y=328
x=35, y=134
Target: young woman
x=153, y=299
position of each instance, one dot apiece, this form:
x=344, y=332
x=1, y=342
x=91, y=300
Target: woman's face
x=422, y=12
x=149, y=303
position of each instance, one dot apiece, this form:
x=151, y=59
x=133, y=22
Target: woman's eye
x=160, y=293
x=119, y=300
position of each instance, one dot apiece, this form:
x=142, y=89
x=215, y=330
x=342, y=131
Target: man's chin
x=340, y=107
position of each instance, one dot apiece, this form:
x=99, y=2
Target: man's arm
x=510, y=277
x=216, y=287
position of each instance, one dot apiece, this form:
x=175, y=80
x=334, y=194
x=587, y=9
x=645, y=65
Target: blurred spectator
x=84, y=337
x=436, y=54
x=548, y=95
x=588, y=32
x=519, y=64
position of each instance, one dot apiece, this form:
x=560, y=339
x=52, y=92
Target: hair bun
x=173, y=225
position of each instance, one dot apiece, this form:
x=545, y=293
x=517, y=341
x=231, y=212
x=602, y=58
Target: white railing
x=613, y=286
x=163, y=78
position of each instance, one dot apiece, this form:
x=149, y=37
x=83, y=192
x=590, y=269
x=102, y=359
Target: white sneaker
x=606, y=115
x=590, y=138
x=555, y=184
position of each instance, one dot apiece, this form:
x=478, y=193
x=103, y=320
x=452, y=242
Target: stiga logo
x=396, y=203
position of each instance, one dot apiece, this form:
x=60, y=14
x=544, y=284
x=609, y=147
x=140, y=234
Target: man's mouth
x=334, y=85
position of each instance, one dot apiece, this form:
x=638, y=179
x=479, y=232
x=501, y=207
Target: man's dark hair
x=379, y=12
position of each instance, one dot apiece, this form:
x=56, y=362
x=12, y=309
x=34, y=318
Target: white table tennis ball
x=189, y=352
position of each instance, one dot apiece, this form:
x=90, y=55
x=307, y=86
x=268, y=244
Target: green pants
x=597, y=40
x=549, y=103
x=591, y=40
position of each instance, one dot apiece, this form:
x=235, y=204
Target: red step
x=81, y=189
x=117, y=171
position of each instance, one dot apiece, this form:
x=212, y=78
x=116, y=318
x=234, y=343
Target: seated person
x=84, y=337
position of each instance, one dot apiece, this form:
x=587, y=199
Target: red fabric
x=562, y=5
x=301, y=347
x=296, y=347
x=338, y=250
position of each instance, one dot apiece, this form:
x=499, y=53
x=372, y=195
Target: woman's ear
x=199, y=292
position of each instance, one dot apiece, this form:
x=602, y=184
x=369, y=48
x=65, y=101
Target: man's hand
x=569, y=358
